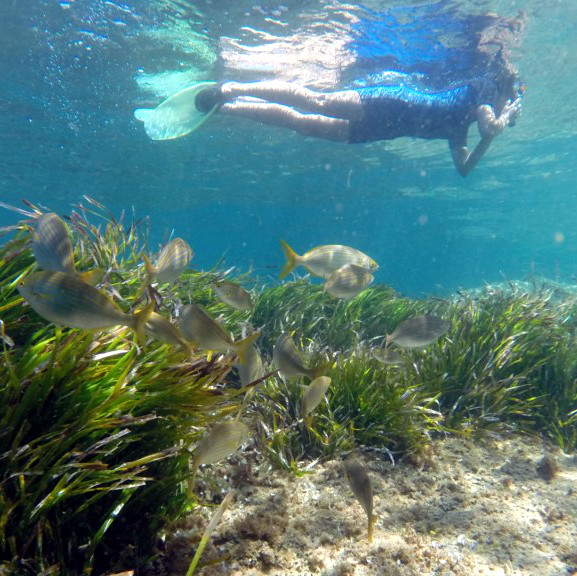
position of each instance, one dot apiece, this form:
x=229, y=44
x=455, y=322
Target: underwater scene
x=288, y=288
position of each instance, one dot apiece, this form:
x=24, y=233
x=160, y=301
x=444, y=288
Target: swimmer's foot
x=181, y=113
x=208, y=98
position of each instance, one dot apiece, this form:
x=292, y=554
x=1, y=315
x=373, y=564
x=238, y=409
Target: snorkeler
x=377, y=112
x=434, y=105
x=356, y=115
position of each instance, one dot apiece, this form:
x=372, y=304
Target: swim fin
x=177, y=116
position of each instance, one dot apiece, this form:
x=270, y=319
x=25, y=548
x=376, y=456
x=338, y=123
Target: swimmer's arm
x=490, y=126
x=464, y=160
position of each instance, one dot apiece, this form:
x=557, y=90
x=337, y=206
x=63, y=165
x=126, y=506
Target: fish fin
x=243, y=346
x=372, y=520
x=177, y=116
x=321, y=369
x=150, y=271
x=140, y=319
x=292, y=259
x=91, y=277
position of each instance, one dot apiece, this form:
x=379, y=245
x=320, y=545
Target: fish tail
x=292, y=259
x=372, y=521
x=92, y=277
x=321, y=369
x=140, y=319
x=243, y=346
x=150, y=271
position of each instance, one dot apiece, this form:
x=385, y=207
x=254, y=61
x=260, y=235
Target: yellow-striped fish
x=233, y=295
x=53, y=250
x=252, y=369
x=362, y=488
x=389, y=355
x=171, y=261
x=51, y=244
x=65, y=299
x=220, y=442
x=197, y=326
x=289, y=360
x=348, y=281
x=418, y=331
x=314, y=394
x=162, y=329
x=324, y=260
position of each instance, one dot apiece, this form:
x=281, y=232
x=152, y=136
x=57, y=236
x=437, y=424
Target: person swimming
x=396, y=102
x=381, y=112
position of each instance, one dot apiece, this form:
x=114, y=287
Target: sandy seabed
x=486, y=507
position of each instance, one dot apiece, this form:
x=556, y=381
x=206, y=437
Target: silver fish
x=289, y=359
x=171, y=261
x=314, y=394
x=252, y=369
x=388, y=356
x=348, y=281
x=324, y=260
x=220, y=442
x=64, y=299
x=197, y=326
x=418, y=331
x=51, y=244
x=362, y=488
x=162, y=329
x=233, y=295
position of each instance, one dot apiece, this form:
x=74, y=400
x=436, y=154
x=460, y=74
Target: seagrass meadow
x=97, y=433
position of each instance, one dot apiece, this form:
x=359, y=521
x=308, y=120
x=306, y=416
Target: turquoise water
x=73, y=72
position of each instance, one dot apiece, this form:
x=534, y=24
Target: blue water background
x=73, y=72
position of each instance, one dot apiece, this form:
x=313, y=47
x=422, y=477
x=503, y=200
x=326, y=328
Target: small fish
x=348, y=281
x=324, y=260
x=220, y=442
x=53, y=250
x=233, y=295
x=51, y=244
x=418, y=331
x=314, y=394
x=360, y=484
x=64, y=299
x=197, y=326
x=388, y=356
x=162, y=329
x=289, y=360
x=252, y=369
x=172, y=260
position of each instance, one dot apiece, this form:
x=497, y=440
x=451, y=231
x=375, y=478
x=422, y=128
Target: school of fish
x=61, y=294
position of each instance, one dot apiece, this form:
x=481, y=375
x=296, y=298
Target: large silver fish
x=348, y=281
x=418, y=331
x=324, y=260
x=197, y=326
x=171, y=261
x=65, y=299
x=362, y=488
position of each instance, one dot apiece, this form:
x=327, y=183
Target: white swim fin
x=177, y=116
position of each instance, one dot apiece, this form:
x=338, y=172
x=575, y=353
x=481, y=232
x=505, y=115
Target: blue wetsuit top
x=394, y=111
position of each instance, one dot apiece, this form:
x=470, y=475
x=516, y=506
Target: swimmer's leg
x=345, y=104
x=315, y=125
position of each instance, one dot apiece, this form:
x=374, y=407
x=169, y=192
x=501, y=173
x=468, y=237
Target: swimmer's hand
x=511, y=111
x=490, y=126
